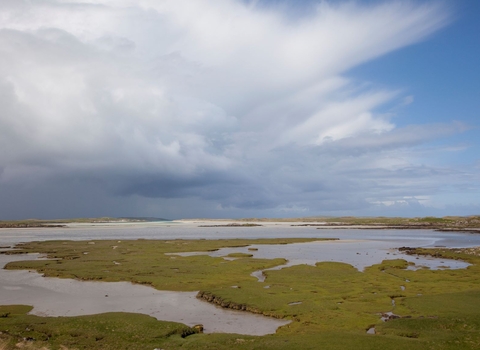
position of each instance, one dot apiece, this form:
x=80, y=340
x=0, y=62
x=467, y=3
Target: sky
x=239, y=108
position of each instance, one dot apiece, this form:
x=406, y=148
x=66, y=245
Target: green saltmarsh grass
x=331, y=305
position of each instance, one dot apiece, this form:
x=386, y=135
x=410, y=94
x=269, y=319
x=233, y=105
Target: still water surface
x=68, y=297
x=190, y=230
x=63, y=297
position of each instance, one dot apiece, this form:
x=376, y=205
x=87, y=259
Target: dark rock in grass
x=387, y=316
x=228, y=304
x=186, y=332
x=198, y=328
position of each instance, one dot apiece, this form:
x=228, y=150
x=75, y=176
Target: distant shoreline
x=447, y=224
x=37, y=223
x=470, y=224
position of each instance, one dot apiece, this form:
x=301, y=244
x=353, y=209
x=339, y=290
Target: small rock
x=198, y=328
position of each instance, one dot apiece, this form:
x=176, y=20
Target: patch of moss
x=106, y=331
x=239, y=255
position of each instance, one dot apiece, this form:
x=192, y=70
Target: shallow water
x=64, y=297
x=190, y=230
x=360, y=254
x=67, y=297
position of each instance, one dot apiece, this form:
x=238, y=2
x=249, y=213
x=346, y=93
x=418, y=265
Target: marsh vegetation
x=331, y=305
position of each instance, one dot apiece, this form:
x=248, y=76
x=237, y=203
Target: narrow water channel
x=67, y=297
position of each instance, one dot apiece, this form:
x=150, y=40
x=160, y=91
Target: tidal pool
x=67, y=297
x=358, y=253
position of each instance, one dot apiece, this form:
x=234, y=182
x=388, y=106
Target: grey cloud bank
x=212, y=108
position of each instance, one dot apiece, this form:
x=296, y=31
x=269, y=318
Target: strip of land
x=448, y=224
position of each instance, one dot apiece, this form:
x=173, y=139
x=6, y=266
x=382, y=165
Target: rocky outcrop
x=198, y=328
x=211, y=298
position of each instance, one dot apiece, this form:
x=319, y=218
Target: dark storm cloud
x=201, y=107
